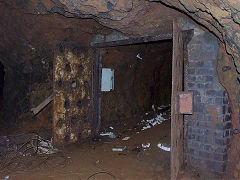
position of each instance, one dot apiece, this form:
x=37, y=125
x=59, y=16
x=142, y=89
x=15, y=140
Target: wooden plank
x=177, y=143
x=41, y=106
x=166, y=36
x=97, y=72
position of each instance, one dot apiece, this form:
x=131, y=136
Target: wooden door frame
x=180, y=40
x=177, y=130
x=177, y=139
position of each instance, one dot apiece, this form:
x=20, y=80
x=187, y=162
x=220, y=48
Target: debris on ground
x=153, y=108
x=139, y=56
x=164, y=147
x=125, y=138
x=146, y=145
x=152, y=122
x=119, y=148
x=42, y=146
x=157, y=117
x=109, y=134
x=36, y=152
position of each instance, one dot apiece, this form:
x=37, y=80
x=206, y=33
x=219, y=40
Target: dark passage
x=1, y=85
x=142, y=79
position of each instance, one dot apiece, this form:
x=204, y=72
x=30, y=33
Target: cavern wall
x=132, y=17
x=26, y=51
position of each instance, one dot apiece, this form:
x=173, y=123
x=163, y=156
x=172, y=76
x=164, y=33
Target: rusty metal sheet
x=185, y=103
x=73, y=92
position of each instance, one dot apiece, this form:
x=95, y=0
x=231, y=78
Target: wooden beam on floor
x=41, y=106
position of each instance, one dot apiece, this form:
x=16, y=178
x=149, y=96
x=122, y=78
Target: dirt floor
x=142, y=158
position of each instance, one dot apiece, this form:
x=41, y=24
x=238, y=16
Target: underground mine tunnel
x=119, y=89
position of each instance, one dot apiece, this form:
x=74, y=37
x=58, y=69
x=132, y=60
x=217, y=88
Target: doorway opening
x=135, y=114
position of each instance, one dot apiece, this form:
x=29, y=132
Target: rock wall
x=142, y=17
x=26, y=51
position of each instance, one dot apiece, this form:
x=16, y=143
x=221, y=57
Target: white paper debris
x=153, y=122
x=146, y=145
x=146, y=127
x=109, y=134
x=161, y=146
x=119, y=148
x=111, y=127
x=153, y=108
x=139, y=56
x=125, y=138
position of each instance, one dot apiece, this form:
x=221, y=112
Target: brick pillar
x=208, y=129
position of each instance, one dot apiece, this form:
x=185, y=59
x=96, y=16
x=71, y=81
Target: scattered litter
x=146, y=127
x=153, y=108
x=125, y=138
x=147, y=113
x=163, y=147
x=119, y=148
x=38, y=150
x=161, y=107
x=153, y=122
x=42, y=146
x=109, y=134
x=111, y=127
x=146, y=145
x=139, y=56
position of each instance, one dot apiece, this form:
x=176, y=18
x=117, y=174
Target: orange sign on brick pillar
x=185, y=102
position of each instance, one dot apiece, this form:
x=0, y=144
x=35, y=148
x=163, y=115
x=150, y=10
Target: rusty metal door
x=177, y=118
x=76, y=90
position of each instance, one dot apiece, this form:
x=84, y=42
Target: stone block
x=205, y=71
x=211, y=93
x=191, y=78
x=209, y=78
x=191, y=71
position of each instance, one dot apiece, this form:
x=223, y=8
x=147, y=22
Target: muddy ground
x=141, y=159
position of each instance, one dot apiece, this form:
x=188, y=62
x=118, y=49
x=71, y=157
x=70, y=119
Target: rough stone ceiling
x=222, y=17
x=140, y=17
